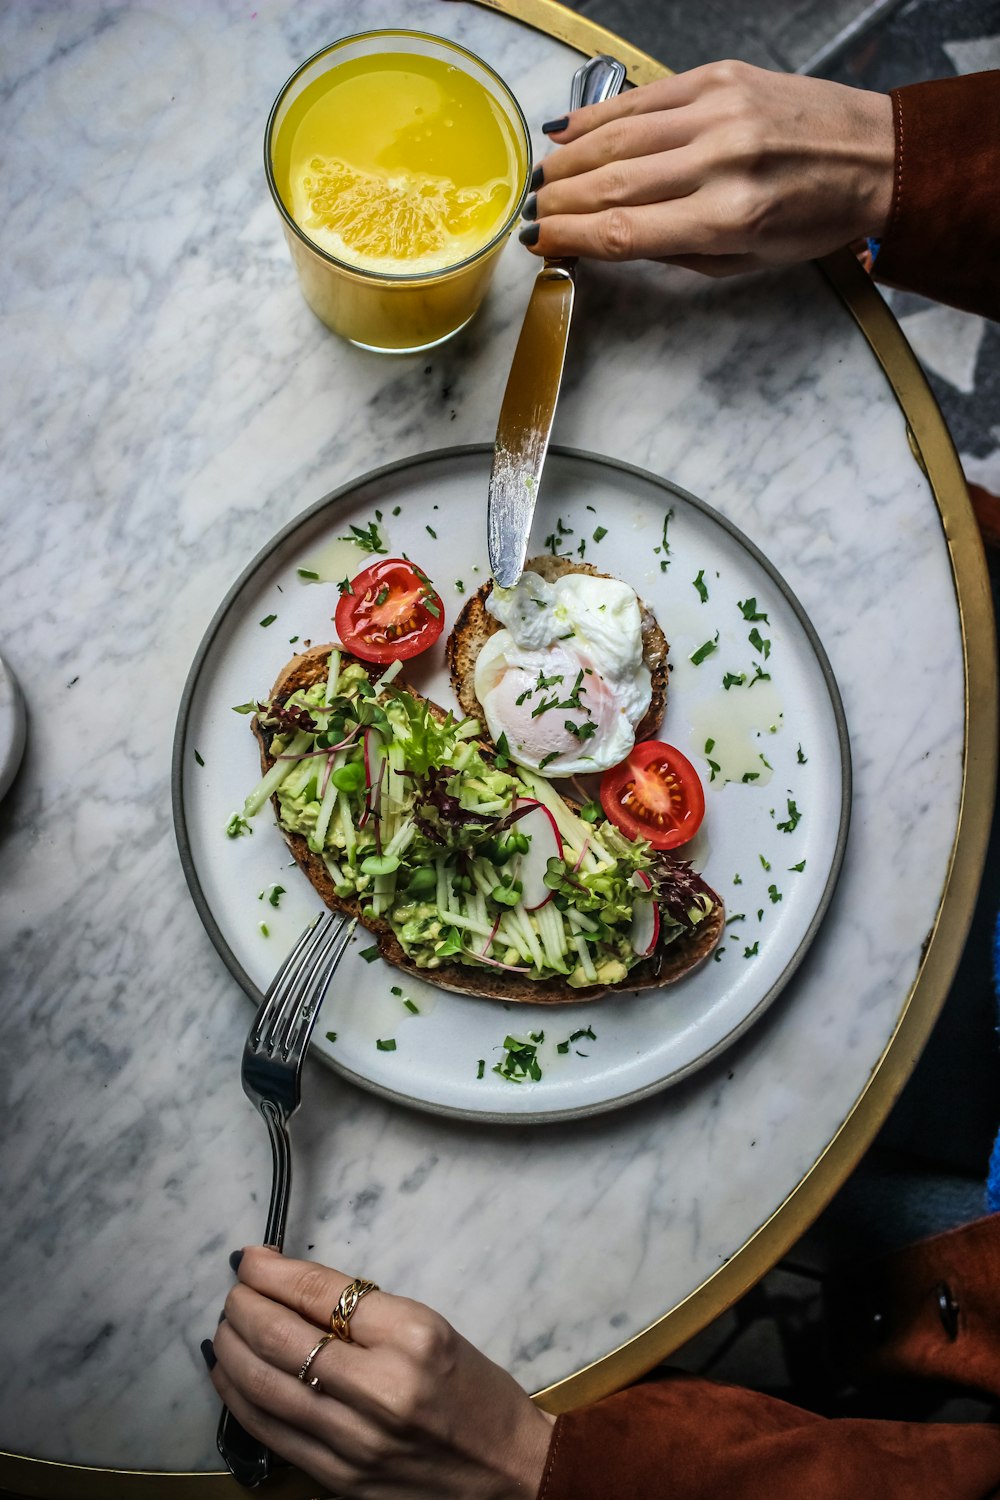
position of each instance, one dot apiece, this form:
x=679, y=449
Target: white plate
x=641, y=1043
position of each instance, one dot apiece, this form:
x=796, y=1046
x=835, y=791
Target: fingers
x=664, y=93
x=313, y=1291
x=644, y=232
x=280, y=1339
x=619, y=141
x=647, y=179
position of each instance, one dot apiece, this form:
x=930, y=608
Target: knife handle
x=599, y=78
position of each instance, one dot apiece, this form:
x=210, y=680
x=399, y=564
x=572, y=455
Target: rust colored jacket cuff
x=943, y=238
x=682, y=1438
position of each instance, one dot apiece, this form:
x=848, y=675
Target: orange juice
x=399, y=167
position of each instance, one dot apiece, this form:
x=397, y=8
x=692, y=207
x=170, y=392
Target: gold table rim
x=935, y=453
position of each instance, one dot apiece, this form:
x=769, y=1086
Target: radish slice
x=645, y=917
x=540, y=827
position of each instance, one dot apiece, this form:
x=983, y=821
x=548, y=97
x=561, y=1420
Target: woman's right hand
x=723, y=169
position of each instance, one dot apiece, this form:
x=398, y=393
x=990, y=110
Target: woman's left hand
x=407, y=1410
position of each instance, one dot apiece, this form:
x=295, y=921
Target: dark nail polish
x=235, y=1258
x=530, y=207
x=529, y=234
x=208, y=1354
x=222, y=1317
x=537, y=178
x=553, y=127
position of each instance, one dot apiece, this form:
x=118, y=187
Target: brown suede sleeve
x=683, y=1438
x=943, y=238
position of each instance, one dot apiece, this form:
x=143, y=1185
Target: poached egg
x=564, y=680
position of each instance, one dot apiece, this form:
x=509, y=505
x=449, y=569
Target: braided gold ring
x=314, y=1384
x=340, y=1318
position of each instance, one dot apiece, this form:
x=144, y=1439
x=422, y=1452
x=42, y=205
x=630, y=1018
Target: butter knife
x=529, y=401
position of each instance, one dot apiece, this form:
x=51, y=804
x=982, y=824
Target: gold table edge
x=943, y=946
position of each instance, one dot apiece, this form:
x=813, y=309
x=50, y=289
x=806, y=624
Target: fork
x=272, y=1071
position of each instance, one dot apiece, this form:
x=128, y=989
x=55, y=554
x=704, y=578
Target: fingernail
x=530, y=207
x=208, y=1354
x=235, y=1258
x=537, y=178
x=222, y=1317
x=553, y=127
x=529, y=234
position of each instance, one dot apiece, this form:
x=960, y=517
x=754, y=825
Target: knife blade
x=529, y=401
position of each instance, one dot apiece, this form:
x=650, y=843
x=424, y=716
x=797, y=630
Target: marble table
x=169, y=404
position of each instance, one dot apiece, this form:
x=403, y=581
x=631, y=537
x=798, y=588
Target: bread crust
x=666, y=966
x=475, y=625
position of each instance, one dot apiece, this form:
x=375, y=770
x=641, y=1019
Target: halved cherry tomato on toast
x=656, y=794
x=391, y=613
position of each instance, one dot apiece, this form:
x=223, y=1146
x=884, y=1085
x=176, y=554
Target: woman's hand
x=408, y=1410
x=723, y=169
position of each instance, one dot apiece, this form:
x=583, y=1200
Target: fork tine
x=274, y=1001
x=292, y=1038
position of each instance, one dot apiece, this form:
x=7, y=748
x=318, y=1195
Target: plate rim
x=214, y=931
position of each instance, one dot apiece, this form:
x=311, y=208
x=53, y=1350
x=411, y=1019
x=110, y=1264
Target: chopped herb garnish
x=366, y=538
x=759, y=675
x=774, y=894
x=370, y=954
x=752, y=951
x=395, y=990
x=799, y=867
x=198, y=758
x=503, y=753
x=581, y=731
x=292, y=639
x=759, y=643
x=431, y=607
x=268, y=620
x=481, y=1068
x=718, y=954
x=344, y=586
x=547, y=759
x=459, y=585
x=411, y=1006
x=396, y=509
x=520, y=1061
x=800, y=757
x=737, y=880
x=704, y=651
x=276, y=893
x=734, y=679
x=699, y=584
x=600, y=533
x=331, y=1036
x=749, y=610
x=264, y=931
x=709, y=746
x=764, y=862
x=386, y=1045
x=766, y=761
x=760, y=914
x=794, y=818
x=308, y=573
x=751, y=776
x=715, y=769
x=431, y=532
x=739, y=916
x=237, y=826
x=664, y=546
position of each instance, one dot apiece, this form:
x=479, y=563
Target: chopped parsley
x=766, y=863
x=759, y=675
x=774, y=894
x=733, y=679
x=794, y=818
x=481, y=1068
x=370, y=954
x=198, y=758
x=799, y=867
x=600, y=533
x=396, y=509
x=275, y=894
x=520, y=1061
x=699, y=584
x=664, y=546
x=753, y=950
x=586, y=1031
x=411, y=1005
x=749, y=610
x=264, y=930
x=546, y=760
x=344, y=586
x=459, y=585
x=751, y=776
x=800, y=757
x=308, y=573
x=268, y=620
x=387, y=1044
x=503, y=752
x=367, y=538
x=704, y=651
x=431, y=532
x=717, y=955
x=331, y=1036
x=760, y=643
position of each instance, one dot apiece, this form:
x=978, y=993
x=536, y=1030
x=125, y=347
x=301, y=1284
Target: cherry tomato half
x=656, y=794
x=391, y=613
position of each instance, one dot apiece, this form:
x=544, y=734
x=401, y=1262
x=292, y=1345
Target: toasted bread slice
x=475, y=625
x=667, y=964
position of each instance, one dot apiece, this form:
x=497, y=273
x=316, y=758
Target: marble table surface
x=169, y=404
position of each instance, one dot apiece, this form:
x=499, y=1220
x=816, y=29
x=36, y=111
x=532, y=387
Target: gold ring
x=340, y=1318
x=314, y=1384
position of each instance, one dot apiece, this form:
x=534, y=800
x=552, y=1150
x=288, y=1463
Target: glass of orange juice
x=399, y=163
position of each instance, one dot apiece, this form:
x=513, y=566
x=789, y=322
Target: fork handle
x=281, y=1175
x=248, y=1459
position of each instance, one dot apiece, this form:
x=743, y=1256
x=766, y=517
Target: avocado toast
x=471, y=872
